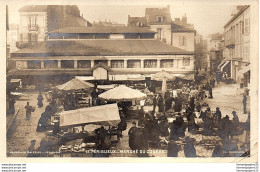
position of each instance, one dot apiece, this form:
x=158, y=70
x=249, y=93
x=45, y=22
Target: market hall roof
x=33, y=8
x=100, y=47
x=105, y=29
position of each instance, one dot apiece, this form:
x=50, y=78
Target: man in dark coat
x=40, y=98
x=225, y=128
x=11, y=106
x=154, y=102
x=168, y=104
x=244, y=103
x=173, y=149
x=161, y=104
x=131, y=133
x=210, y=92
x=189, y=149
x=178, y=105
x=218, y=116
x=192, y=103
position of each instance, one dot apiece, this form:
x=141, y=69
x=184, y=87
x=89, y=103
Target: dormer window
x=159, y=19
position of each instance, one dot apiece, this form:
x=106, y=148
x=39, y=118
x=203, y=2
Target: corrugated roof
x=105, y=29
x=100, y=47
x=33, y=8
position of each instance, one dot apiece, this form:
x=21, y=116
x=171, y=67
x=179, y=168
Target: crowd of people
x=187, y=107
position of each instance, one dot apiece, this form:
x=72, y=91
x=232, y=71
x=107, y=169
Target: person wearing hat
x=244, y=103
x=225, y=128
x=131, y=133
x=40, y=99
x=235, y=122
x=218, y=116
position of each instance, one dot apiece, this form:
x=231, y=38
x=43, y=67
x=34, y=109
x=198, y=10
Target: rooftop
x=242, y=9
x=33, y=8
x=105, y=29
x=152, y=13
x=179, y=28
x=132, y=21
x=100, y=47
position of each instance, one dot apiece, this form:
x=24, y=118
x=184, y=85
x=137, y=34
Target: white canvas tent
x=100, y=115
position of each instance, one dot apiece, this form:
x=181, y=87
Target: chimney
x=168, y=7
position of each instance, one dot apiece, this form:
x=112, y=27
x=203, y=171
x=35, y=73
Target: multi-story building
x=215, y=53
x=113, y=53
x=12, y=37
x=37, y=20
x=201, y=51
x=177, y=33
x=237, y=46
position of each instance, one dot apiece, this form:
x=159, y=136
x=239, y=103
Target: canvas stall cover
x=100, y=115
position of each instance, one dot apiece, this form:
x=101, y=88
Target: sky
x=207, y=17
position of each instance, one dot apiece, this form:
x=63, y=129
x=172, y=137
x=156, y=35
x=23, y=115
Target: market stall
x=124, y=95
x=78, y=91
x=74, y=126
x=163, y=76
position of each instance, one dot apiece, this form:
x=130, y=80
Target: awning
x=243, y=70
x=99, y=115
x=222, y=67
x=106, y=87
x=16, y=80
x=133, y=77
x=85, y=78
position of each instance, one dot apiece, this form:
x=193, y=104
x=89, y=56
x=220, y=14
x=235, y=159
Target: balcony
x=230, y=42
x=21, y=45
x=33, y=27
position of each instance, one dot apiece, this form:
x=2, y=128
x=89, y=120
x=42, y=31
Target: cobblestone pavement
x=23, y=132
x=228, y=98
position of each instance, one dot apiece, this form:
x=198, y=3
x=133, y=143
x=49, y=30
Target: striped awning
x=222, y=67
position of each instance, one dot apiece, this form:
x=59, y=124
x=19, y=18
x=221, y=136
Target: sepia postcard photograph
x=139, y=81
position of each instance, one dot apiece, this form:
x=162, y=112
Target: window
x=32, y=38
x=243, y=27
x=181, y=40
x=167, y=63
x=32, y=23
x=246, y=26
x=55, y=36
x=146, y=36
x=34, y=64
x=84, y=64
x=101, y=36
x=159, y=19
x=86, y=36
x=117, y=63
x=70, y=36
x=50, y=64
x=150, y=63
x=134, y=64
x=100, y=61
x=159, y=33
x=67, y=63
x=186, y=61
x=246, y=53
x=131, y=36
